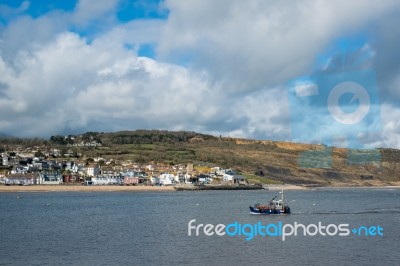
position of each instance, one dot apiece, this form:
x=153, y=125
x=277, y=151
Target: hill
x=274, y=161
x=265, y=161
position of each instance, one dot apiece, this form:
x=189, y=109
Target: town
x=46, y=165
x=183, y=158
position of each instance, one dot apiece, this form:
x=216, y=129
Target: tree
x=39, y=154
x=57, y=140
x=89, y=161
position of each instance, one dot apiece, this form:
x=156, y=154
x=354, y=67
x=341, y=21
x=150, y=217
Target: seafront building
x=22, y=167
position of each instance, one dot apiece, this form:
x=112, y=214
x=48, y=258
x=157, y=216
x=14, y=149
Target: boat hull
x=254, y=210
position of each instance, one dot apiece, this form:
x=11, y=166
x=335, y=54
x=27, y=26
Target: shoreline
x=286, y=187
x=79, y=188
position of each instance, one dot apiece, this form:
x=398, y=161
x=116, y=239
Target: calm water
x=107, y=228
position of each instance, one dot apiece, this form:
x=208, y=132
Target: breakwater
x=218, y=187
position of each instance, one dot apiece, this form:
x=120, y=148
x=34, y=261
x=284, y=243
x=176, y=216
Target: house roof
x=18, y=176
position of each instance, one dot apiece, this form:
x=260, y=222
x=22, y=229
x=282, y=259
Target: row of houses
x=32, y=179
x=29, y=171
x=164, y=179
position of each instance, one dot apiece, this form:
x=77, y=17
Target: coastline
x=286, y=187
x=79, y=188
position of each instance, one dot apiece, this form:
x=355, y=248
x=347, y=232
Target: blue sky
x=215, y=67
x=125, y=10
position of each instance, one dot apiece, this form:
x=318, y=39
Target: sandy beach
x=68, y=188
x=78, y=188
x=286, y=187
x=297, y=187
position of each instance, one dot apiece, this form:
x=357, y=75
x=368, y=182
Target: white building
x=154, y=180
x=20, y=170
x=106, y=180
x=187, y=179
x=93, y=170
x=5, y=160
x=236, y=179
x=227, y=177
x=50, y=179
x=68, y=166
x=166, y=179
x=205, y=179
x=76, y=168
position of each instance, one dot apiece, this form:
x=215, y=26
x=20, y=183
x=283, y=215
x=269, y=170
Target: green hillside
x=262, y=160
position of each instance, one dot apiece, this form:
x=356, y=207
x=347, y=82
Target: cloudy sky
x=255, y=69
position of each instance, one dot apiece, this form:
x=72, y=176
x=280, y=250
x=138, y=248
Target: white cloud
x=261, y=43
x=87, y=11
x=132, y=33
x=9, y=12
x=266, y=114
x=239, y=55
x=25, y=32
x=70, y=84
x=390, y=135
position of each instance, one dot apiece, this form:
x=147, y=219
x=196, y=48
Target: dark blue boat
x=273, y=207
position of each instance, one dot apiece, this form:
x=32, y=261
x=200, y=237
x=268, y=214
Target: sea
x=152, y=228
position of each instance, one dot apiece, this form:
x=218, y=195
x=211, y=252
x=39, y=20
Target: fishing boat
x=275, y=206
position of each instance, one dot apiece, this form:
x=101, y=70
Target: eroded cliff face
x=309, y=164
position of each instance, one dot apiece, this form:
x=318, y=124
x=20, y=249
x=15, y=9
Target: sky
x=309, y=71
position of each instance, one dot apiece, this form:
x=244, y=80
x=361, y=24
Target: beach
x=79, y=188
x=72, y=188
x=286, y=187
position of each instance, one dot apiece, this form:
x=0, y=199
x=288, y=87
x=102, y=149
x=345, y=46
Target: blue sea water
x=151, y=228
